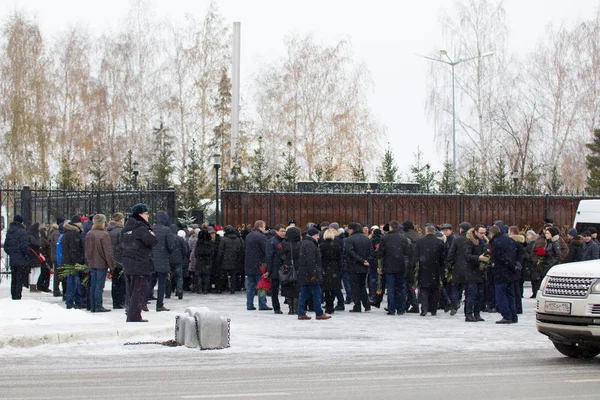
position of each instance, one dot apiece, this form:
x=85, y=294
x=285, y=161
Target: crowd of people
x=325, y=264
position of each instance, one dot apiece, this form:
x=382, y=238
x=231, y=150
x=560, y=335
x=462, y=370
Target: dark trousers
x=161, y=278
x=347, y=285
x=358, y=281
x=118, y=288
x=136, y=290
x=430, y=298
x=275, y=295
x=329, y=298
x=372, y=279
x=57, y=282
x=473, y=296
x=505, y=298
x=518, y=297
x=411, y=296
x=456, y=295
x=18, y=277
x=43, y=282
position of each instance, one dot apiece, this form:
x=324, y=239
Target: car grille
x=594, y=309
x=568, y=287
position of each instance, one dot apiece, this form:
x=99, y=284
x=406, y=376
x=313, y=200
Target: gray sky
x=385, y=34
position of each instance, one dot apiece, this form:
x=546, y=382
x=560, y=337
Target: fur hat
x=99, y=219
x=312, y=232
x=75, y=219
x=18, y=219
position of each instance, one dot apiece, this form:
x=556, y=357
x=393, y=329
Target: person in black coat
x=513, y=233
x=35, y=247
x=575, y=243
x=137, y=242
x=115, y=228
x=591, y=251
x=16, y=246
x=177, y=257
x=429, y=253
x=330, y=259
x=230, y=256
x=446, y=301
x=161, y=259
x=394, y=250
x=357, y=250
x=204, y=256
x=43, y=283
x=256, y=256
x=505, y=255
x=310, y=275
x=290, y=258
x=72, y=254
x=412, y=305
x=274, y=250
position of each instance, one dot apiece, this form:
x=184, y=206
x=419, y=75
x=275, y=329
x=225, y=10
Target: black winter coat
x=161, y=253
x=505, y=254
x=591, y=251
x=575, y=250
x=464, y=258
x=357, y=250
x=72, y=245
x=330, y=260
x=310, y=270
x=553, y=254
x=137, y=242
x=429, y=253
x=204, y=252
x=256, y=252
x=231, y=252
x=530, y=272
x=35, y=245
x=413, y=236
x=394, y=250
x=114, y=232
x=16, y=245
x=290, y=256
x=274, y=250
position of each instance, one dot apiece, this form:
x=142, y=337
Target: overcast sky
x=384, y=34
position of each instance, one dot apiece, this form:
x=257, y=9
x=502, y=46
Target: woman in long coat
x=291, y=257
x=330, y=258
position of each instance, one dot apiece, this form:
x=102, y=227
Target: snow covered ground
x=39, y=323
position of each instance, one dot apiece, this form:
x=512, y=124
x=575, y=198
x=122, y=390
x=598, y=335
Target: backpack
x=59, y=249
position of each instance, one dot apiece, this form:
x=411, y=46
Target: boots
x=33, y=288
x=290, y=303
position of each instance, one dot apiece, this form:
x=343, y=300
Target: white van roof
x=589, y=206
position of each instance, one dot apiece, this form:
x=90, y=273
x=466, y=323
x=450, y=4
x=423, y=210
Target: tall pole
x=217, y=194
x=235, y=91
x=453, y=131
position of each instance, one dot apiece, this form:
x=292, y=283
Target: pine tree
x=555, y=184
x=446, y=184
x=68, y=179
x=163, y=149
x=289, y=174
x=222, y=131
x=358, y=172
x=259, y=176
x=387, y=173
x=593, y=164
x=472, y=182
x=193, y=187
x=500, y=180
x=422, y=173
x=127, y=178
x=97, y=173
x=531, y=180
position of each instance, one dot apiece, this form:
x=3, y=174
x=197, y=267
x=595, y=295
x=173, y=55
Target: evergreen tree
x=260, y=178
x=500, y=180
x=358, y=172
x=193, y=187
x=289, y=174
x=422, y=173
x=472, y=182
x=446, y=184
x=222, y=131
x=531, y=180
x=97, y=173
x=68, y=179
x=555, y=184
x=127, y=178
x=387, y=172
x=238, y=179
x=593, y=164
x=163, y=150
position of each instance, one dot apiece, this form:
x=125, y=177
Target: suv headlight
x=543, y=284
x=596, y=287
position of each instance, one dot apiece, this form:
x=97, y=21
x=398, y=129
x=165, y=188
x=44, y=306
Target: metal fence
x=375, y=208
x=46, y=205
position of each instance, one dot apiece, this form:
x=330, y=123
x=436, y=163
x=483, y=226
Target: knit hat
x=313, y=232
x=592, y=229
x=75, y=219
x=59, y=221
x=18, y=218
x=355, y=226
x=374, y=227
x=408, y=225
x=99, y=219
x=386, y=228
x=181, y=234
x=465, y=226
x=139, y=208
x=211, y=229
x=572, y=232
x=553, y=231
x=292, y=221
x=548, y=220
x=334, y=225
x=324, y=224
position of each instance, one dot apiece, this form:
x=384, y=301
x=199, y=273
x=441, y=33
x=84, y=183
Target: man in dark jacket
x=72, y=254
x=357, y=251
x=513, y=233
x=99, y=255
x=16, y=246
x=575, y=243
x=446, y=300
x=115, y=227
x=137, y=240
x=393, y=250
x=590, y=248
x=230, y=256
x=411, y=296
x=161, y=256
x=430, y=256
x=256, y=255
x=310, y=275
x=179, y=256
x=274, y=250
x=505, y=253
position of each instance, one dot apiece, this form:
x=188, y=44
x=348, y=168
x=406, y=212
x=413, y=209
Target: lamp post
x=515, y=178
x=452, y=64
x=217, y=164
x=136, y=172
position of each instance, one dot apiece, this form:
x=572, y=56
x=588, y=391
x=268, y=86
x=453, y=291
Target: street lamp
x=136, y=172
x=452, y=63
x=515, y=178
x=216, y=158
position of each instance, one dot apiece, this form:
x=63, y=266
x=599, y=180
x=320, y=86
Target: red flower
x=540, y=251
x=280, y=246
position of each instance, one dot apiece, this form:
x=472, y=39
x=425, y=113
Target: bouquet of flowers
x=65, y=270
x=264, y=285
x=110, y=275
x=483, y=265
x=541, y=253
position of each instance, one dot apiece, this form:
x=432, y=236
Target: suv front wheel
x=575, y=351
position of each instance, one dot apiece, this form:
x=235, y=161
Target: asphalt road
x=191, y=374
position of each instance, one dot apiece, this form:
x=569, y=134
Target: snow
x=39, y=323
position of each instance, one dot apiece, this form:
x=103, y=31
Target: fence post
x=461, y=215
x=26, y=205
x=98, y=210
x=222, y=210
x=172, y=206
x=369, y=200
x=271, y=208
x=546, y=204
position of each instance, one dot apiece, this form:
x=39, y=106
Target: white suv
x=568, y=308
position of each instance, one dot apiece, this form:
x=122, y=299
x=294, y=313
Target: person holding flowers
x=72, y=254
